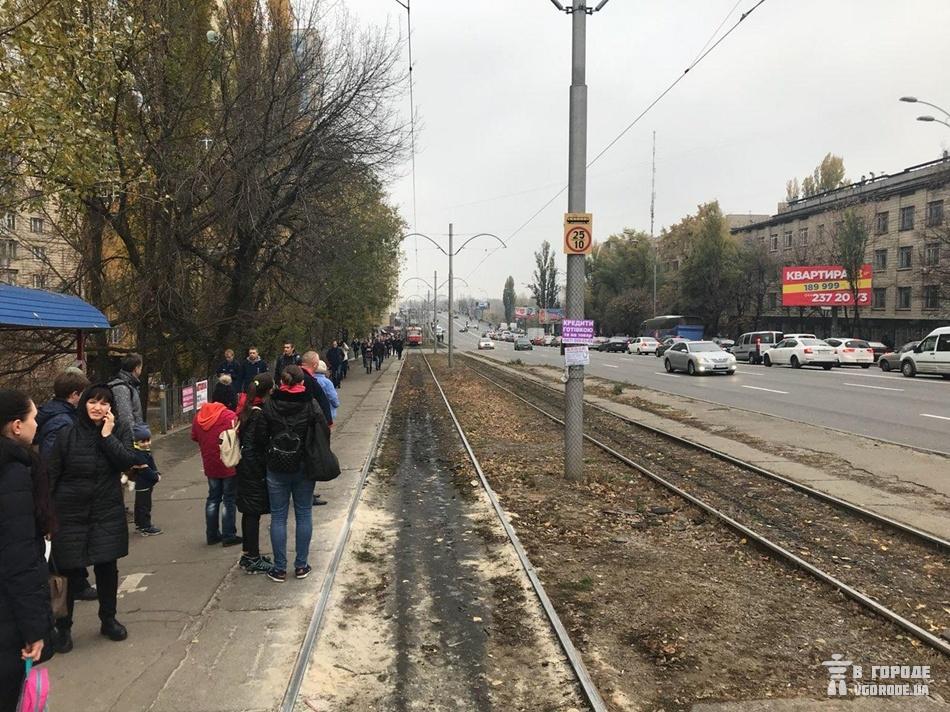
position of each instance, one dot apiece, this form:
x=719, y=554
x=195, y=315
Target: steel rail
x=911, y=627
x=928, y=537
x=289, y=701
x=574, y=658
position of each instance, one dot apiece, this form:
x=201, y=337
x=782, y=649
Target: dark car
x=599, y=343
x=666, y=343
x=522, y=344
x=878, y=348
x=616, y=343
x=892, y=359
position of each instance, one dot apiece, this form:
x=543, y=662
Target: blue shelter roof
x=22, y=308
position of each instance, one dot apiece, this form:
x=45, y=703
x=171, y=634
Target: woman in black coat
x=252, y=499
x=85, y=479
x=25, y=615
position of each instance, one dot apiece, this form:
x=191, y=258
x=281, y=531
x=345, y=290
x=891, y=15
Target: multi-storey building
x=908, y=248
x=32, y=253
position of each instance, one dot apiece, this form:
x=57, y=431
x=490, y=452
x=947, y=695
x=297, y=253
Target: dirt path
x=431, y=610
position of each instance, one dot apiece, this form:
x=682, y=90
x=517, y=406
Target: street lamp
x=915, y=100
x=931, y=118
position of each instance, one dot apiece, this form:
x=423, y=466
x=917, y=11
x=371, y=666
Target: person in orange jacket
x=212, y=420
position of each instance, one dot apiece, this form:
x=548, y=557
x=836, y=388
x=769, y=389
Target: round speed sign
x=578, y=240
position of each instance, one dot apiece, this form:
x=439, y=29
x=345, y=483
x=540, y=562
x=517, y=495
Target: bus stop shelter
x=24, y=309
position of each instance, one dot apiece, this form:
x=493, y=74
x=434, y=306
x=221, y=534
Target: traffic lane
x=816, y=401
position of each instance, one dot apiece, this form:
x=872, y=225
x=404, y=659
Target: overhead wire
x=703, y=54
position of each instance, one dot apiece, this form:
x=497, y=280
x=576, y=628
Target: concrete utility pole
x=435, y=309
x=576, y=203
x=652, y=207
x=451, y=315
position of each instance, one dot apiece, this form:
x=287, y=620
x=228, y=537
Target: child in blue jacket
x=146, y=477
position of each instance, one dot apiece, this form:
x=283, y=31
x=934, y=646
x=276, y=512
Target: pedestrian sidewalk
x=203, y=635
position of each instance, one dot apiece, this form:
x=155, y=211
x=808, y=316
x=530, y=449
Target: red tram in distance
x=414, y=336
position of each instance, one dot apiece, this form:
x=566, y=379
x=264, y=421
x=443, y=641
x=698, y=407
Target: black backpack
x=285, y=451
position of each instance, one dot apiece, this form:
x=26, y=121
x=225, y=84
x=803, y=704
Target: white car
x=697, y=357
x=852, y=351
x=643, y=345
x=932, y=355
x=485, y=344
x=801, y=352
x=799, y=336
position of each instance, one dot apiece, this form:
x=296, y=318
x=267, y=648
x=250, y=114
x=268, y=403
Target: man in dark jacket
x=252, y=366
x=289, y=357
x=335, y=360
x=379, y=353
x=231, y=367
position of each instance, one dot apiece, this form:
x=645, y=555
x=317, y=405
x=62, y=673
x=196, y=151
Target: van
x=932, y=355
x=744, y=349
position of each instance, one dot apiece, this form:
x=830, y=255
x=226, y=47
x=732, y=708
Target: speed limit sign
x=578, y=233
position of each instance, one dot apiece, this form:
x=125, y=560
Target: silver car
x=696, y=357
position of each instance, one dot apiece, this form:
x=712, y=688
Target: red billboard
x=823, y=286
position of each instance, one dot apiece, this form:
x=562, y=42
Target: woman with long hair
x=85, y=468
x=25, y=517
x=252, y=499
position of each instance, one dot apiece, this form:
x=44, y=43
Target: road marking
x=749, y=373
x=130, y=584
x=609, y=365
x=664, y=373
x=938, y=417
x=770, y=390
x=877, y=388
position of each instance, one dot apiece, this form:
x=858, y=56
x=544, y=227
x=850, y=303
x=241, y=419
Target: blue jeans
x=280, y=488
x=220, y=490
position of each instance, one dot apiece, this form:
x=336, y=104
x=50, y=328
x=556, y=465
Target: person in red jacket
x=212, y=420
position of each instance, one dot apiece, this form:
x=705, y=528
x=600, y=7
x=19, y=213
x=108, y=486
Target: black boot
x=112, y=629
x=62, y=640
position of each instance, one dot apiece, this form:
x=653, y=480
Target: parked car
x=932, y=355
x=696, y=357
x=616, y=344
x=801, y=352
x=725, y=344
x=667, y=343
x=744, y=348
x=485, y=343
x=643, y=345
x=598, y=343
x=507, y=336
x=800, y=336
x=522, y=344
x=549, y=340
x=879, y=349
x=892, y=359
x=851, y=351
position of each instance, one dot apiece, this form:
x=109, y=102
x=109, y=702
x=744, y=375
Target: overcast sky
x=797, y=79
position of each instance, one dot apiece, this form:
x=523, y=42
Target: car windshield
x=704, y=347
x=764, y=338
x=813, y=342
x=908, y=346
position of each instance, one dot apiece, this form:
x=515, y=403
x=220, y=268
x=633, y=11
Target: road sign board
x=578, y=233
x=576, y=355
x=823, y=285
x=577, y=331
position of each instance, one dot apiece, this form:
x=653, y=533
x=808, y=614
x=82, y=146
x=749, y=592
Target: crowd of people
x=65, y=467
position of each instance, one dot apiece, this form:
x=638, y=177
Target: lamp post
x=576, y=203
x=451, y=255
x=931, y=118
x=928, y=119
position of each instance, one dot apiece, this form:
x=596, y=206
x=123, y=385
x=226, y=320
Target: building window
x=773, y=243
x=788, y=240
x=8, y=249
x=38, y=252
x=932, y=254
x=803, y=236
x=903, y=297
x=907, y=218
x=8, y=276
x=935, y=213
x=879, y=298
x=36, y=225
x=904, y=257
x=880, y=260
x=773, y=300
x=9, y=221
x=880, y=223
x=39, y=281
x=931, y=296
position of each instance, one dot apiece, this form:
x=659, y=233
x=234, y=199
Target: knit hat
x=141, y=432
x=322, y=367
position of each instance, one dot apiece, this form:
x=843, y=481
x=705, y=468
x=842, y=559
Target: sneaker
x=317, y=500
x=214, y=540
x=302, y=572
x=231, y=541
x=277, y=575
x=148, y=531
x=260, y=565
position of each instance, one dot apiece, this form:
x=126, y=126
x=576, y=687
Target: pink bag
x=35, y=690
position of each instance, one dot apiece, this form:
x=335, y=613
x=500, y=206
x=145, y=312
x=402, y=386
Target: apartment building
x=908, y=248
x=32, y=253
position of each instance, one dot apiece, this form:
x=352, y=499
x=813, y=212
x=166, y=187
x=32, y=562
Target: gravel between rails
x=897, y=569
x=669, y=608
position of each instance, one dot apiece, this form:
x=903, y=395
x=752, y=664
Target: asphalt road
x=868, y=402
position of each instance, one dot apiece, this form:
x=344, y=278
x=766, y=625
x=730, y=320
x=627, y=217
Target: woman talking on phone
x=85, y=473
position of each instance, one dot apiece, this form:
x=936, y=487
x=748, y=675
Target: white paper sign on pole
x=576, y=356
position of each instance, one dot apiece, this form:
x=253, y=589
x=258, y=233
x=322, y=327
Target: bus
x=414, y=336
x=660, y=327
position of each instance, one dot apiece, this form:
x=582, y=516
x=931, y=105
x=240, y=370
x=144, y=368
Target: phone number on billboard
x=837, y=298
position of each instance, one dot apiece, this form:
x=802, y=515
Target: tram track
x=898, y=572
